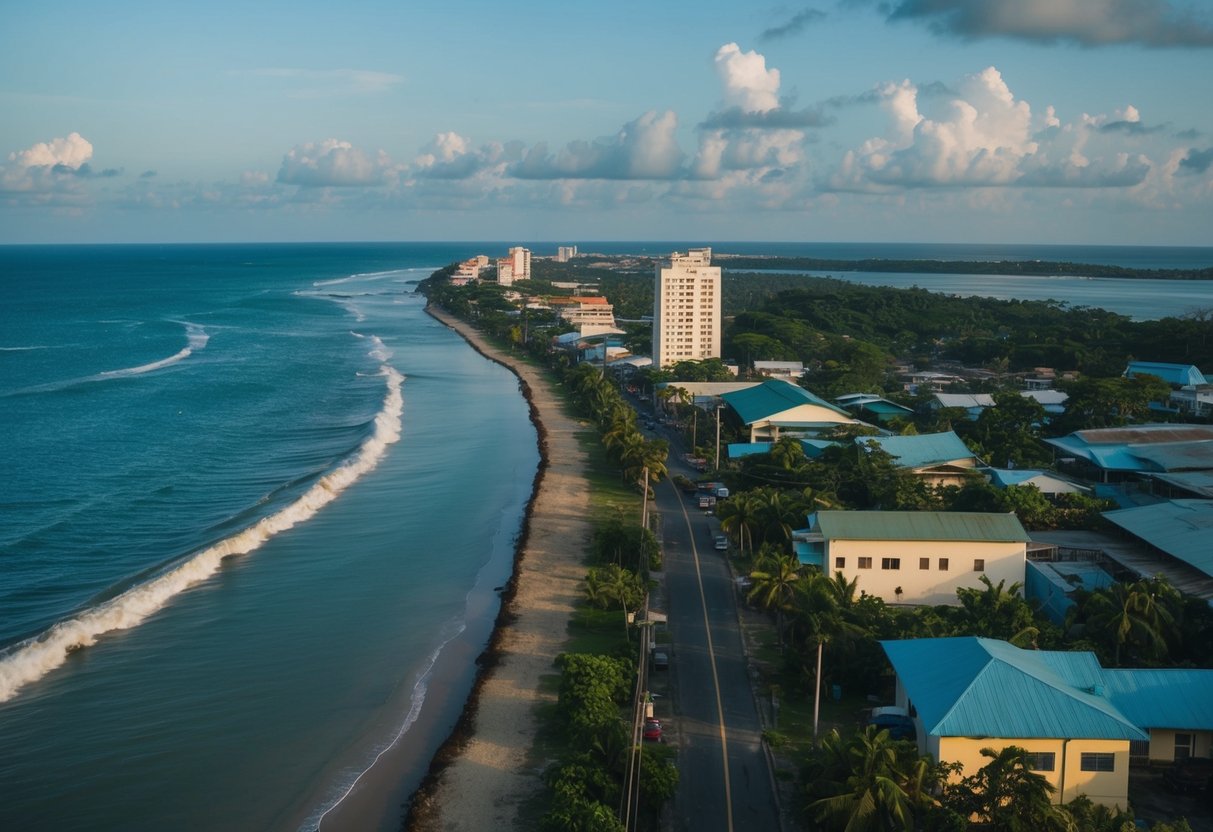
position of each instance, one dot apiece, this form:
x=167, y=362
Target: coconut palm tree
x=774, y=586
x=738, y=517
x=1009, y=797
x=865, y=780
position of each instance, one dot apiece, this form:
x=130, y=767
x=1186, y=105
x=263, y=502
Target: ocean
x=255, y=501
x=255, y=507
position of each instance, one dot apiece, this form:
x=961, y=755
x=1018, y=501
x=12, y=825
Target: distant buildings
x=686, y=308
x=515, y=266
x=591, y=314
x=565, y=253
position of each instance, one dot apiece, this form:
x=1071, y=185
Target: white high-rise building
x=686, y=308
x=520, y=259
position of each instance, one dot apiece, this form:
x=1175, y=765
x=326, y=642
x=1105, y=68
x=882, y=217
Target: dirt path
x=483, y=774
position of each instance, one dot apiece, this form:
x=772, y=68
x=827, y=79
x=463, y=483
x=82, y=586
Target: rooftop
x=918, y=451
x=1181, y=528
x=773, y=397
x=978, y=687
x=918, y=525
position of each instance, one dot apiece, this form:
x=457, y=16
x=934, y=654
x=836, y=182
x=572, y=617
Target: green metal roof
x=978, y=687
x=919, y=525
x=1181, y=528
x=922, y=450
x=772, y=397
x=1157, y=698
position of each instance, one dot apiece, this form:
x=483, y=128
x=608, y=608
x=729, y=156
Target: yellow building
x=967, y=694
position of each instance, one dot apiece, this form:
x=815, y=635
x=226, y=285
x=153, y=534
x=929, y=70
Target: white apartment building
x=565, y=253
x=686, y=308
x=520, y=259
x=505, y=271
x=589, y=310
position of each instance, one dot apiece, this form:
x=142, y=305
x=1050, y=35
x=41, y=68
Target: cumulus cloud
x=748, y=84
x=1155, y=23
x=71, y=153
x=332, y=163
x=645, y=148
x=796, y=24
x=986, y=137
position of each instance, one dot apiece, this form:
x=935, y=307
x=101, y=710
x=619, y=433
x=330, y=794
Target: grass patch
x=598, y=631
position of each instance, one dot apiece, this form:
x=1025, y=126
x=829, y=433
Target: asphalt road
x=725, y=783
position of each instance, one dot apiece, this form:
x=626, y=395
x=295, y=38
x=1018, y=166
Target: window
x=1040, y=760
x=890, y=563
x=1098, y=761
x=924, y=563
x=865, y=563
x=943, y=564
x=979, y=564
x=840, y=563
x=1183, y=746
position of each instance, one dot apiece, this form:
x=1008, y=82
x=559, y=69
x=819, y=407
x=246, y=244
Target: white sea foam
x=416, y=701
x=196, y=339
x=30, y=660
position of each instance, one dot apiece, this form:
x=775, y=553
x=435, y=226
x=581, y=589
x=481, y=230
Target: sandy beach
x=483, y=773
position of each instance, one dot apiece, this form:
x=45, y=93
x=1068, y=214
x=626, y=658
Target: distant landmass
x=1031, y=268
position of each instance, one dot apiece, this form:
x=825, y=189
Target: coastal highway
x=725, y=783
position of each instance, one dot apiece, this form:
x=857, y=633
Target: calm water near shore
x=256, y=504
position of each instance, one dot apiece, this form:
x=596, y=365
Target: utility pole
x=718, y=407
x=644, y=510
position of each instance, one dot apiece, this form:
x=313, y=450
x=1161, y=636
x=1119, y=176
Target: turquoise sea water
x=254, y=508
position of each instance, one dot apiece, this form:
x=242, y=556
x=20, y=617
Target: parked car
x=1191, y=775
x=895, y=720
x=722, y=543
x=661, y=661
x=652, y=729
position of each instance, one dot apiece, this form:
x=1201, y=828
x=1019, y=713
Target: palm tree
x=788, y=453
x=774, y=586
x=1135, y=615
x=1008, y=796
x=998, y=611
x=865, y=779
x=738, y=516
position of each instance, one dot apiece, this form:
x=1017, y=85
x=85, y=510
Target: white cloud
x=332, y=163
x=71, y=152
x=986, y=137
x=748, y=83
x=645, y=148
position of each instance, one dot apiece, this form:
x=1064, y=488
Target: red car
x=652, y=730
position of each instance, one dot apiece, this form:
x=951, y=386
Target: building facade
x=686, y=308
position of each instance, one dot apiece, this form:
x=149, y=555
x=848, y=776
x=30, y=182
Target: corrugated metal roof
x=1177, y=456
x=737, y=450
x=977, y=687
x=921, y=450
x=1179, y=374
x=773, y=397
x=1153, y=698
x=1144, y=434
x=1181, y=528
x=1047, y=483
x=919, y=525
x=1198, y=482
x=966, y=400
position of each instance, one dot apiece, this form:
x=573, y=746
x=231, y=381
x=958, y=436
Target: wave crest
x=32, y=659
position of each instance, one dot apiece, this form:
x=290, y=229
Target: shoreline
x=481, y=773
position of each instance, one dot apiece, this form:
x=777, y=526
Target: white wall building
x=520, y=259
x=686, y=308
x=915, y=557
x=565, y=253
x=589, y=310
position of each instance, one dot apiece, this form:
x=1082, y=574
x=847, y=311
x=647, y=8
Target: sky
x=1023, y=121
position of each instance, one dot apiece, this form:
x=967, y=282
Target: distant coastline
x=1026, y=268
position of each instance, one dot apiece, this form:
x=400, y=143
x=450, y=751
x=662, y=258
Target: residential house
x=1048, y=483
x=972, y=403
x=1119, y=453
x=776, y=408
x=938, y=458
x=915, y=557
x=1174, y=705
x=874, y=408
x=967, y=694
x=786, y=370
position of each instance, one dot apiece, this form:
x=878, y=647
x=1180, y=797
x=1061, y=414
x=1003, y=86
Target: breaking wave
x=30, y=660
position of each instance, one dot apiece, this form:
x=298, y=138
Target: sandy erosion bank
x=483, y=773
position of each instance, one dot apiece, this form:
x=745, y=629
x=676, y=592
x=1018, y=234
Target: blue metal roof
x=978, y=687
x=1153, y=698
x=737, y=450
x=1181, y=528
x=772, y=397
x=1181, y=375
x=921, y=450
